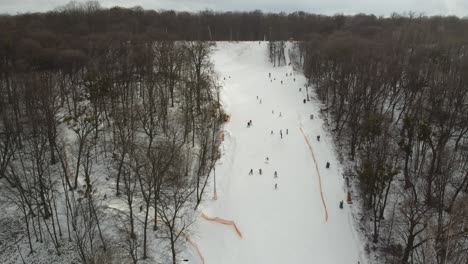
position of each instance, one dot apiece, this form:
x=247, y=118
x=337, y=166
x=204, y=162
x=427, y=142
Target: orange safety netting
x=195, y=246
x=222, y=221
x=318, y=173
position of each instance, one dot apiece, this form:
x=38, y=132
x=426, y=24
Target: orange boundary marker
x=318, y=173
x=222, y=221
x=195, y=246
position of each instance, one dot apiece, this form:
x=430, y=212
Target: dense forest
x=397, y=102
x=99, y=102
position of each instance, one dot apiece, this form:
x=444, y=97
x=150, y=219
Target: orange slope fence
x=224, y=222
x=194, y=245
x=318, y=173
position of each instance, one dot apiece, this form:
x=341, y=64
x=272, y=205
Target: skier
x=257, y=97
x=300, y=89
x=250, y=121
x=280, y=115
x=294, y=79
x=281, y=134
x=328, y=165
x=341, y=204
x=276, y=174
x=260, y=171
x=271, y=132
x=311, y=116
x=272, y=111
x=260, y=101
x=267, y=159
x=304, y=101
x=281, y=81
x=269, y=74
x=251, y=172
x=276, y=186
x=318, y=138
x=286, y=131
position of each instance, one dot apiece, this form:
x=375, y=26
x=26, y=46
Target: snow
x=286, y=225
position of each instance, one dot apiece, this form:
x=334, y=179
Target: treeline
x=74, y=23
x=397, y=102
x=90, y=119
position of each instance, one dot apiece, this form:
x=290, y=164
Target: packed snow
x=297, y=222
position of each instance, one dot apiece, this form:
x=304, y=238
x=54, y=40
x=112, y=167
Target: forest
x=122, y=104
x=398, y=109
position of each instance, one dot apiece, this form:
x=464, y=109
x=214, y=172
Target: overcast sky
x=328, y=7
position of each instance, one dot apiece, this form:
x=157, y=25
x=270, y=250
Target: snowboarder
x=276, y=186
x=251, y=172
x=318, y=138
x=328, y=165
x=341, y=204
x=276, y=174
x=260, y=171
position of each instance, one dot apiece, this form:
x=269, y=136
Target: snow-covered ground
x=293, y=223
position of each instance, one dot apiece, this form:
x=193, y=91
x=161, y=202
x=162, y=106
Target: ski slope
x=300, y=221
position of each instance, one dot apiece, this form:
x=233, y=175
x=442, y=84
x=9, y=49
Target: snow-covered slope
x=300, y=221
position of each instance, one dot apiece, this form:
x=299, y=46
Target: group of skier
x=260, y=172
x=249, y=124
